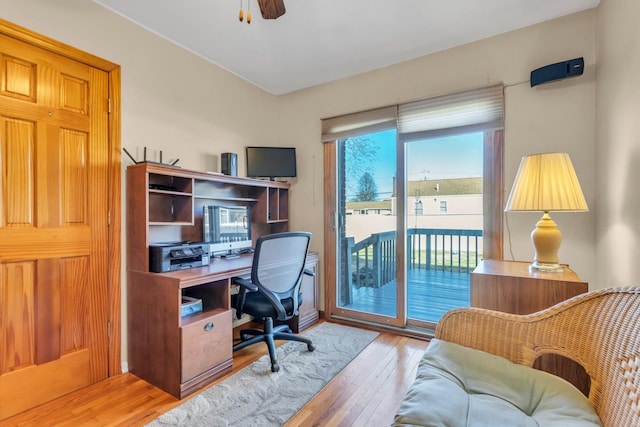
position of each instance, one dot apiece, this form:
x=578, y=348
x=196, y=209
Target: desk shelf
x=228, y=199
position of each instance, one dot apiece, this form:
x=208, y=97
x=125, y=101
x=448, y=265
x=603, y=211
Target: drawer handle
x=209, y=326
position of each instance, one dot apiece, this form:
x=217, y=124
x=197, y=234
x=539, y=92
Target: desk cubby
x=214, y=297
x=278, y=205
x=166, y=207
x=170, y=199
x=272, y=207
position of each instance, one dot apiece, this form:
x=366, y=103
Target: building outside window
x=418, y=207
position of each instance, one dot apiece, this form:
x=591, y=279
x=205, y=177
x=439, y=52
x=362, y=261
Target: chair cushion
x=459, y=386
x=258, y=305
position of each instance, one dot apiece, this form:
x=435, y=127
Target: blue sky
x=439, y=158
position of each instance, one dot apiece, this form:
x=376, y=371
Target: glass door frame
x=493, y=205
x=332, y=255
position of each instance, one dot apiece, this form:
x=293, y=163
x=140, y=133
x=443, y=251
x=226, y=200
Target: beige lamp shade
x=546, y=182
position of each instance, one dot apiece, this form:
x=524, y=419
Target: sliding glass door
x=413, y=196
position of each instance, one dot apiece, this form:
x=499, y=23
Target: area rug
x=255, y=396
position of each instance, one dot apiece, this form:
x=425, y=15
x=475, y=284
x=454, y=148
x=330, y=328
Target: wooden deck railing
x=373, y=260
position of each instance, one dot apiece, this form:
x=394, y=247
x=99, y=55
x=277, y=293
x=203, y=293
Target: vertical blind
x=467, y=111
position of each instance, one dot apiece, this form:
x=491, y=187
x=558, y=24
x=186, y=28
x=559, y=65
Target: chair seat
x=459, y=386
x=258, y=305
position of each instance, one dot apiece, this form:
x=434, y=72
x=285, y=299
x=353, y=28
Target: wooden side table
x=510, y=287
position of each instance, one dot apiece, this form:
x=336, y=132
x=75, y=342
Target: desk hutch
x=164, y=203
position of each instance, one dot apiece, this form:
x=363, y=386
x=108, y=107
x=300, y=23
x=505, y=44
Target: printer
x=174, y=256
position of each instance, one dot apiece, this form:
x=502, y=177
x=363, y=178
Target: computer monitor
x=226, y=228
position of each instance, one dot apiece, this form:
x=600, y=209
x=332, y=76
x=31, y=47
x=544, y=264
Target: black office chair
x=273, y=292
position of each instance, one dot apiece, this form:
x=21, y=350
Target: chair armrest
x=309, y=272
x=245, y=283
x=245, y=286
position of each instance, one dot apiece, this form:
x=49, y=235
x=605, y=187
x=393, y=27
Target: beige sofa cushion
x=459, y=386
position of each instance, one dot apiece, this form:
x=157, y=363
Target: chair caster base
x=275, y=367
x=311, y=347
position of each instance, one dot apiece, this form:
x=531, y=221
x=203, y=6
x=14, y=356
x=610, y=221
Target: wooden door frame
x=114, y=268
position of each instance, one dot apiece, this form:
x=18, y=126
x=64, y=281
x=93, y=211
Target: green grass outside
x=441, y=260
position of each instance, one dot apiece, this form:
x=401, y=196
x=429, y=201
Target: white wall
x=618, y=144
x=175, y=102
x=554, y=117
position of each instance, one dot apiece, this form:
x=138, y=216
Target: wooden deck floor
x=431, y=293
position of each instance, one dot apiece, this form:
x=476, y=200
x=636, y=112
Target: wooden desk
x=182, y=354
x=510, y=287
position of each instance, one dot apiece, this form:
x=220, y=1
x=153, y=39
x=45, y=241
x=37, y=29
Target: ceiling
x=318, y=41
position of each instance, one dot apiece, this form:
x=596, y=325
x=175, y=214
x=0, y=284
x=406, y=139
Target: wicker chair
x=600, y=330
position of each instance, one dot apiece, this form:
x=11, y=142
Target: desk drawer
x=206, y=344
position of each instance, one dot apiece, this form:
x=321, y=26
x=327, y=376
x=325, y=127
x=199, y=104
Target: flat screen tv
x=271, y=162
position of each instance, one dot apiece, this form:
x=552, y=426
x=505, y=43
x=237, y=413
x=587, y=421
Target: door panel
x=18, y=173
x=53, y=226
x=370, y=279
x=17, y=321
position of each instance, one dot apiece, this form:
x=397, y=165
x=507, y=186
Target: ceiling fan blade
x=271, y=9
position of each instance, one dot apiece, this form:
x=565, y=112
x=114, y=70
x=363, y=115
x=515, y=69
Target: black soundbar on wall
x=557, y=71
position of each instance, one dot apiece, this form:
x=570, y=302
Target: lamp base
x=546, y=267
x=546, y=240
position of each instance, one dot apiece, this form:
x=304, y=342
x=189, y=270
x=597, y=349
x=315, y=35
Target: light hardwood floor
x=366, y=392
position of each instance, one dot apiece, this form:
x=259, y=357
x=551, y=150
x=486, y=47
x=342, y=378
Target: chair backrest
x=278, y=263
x=600, y=330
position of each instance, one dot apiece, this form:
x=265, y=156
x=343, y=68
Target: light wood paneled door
x=54, y=153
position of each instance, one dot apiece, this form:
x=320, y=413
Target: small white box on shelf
x=190, y=305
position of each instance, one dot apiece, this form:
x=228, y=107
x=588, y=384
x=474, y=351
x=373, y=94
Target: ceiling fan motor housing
x=272, y=9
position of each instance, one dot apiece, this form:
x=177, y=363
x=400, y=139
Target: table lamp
x=546, y=182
